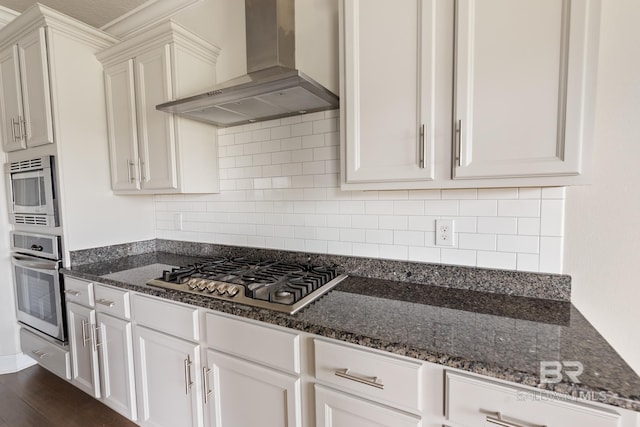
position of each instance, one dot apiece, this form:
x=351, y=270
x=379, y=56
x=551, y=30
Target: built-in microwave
x=31, y=191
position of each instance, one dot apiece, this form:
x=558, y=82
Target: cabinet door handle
x=40, y=354
x=84, y=333
x=372, y=381
x=106, y=302
x=13, y=129
x=98, y=342
x=458, y=142
x=422, y=147
x=72, y=292
x=187, y=375
x=205, y=384
x=129, y=174
x=23, y=122
x=141, y=168
x=496, y=418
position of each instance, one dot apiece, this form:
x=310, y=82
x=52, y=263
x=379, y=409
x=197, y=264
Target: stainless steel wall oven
x=38, y=283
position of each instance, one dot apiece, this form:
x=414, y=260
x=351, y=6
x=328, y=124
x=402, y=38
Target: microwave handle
x=30, y=262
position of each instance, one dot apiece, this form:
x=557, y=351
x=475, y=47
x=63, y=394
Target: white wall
x=602, y=250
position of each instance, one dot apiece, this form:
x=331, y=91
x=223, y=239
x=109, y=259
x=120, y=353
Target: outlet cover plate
x=444, y=232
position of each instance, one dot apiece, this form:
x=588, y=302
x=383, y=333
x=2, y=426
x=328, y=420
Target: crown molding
x=7, y=15
x=145, y=15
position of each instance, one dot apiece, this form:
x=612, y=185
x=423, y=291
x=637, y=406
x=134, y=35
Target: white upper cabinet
x=387, y=56
x=25, y=100
x=151, y=151
x=503, y=90
x=521, y=90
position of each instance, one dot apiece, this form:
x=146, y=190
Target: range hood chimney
x=272, y=87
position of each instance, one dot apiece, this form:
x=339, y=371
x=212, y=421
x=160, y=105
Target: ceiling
x=96, y=13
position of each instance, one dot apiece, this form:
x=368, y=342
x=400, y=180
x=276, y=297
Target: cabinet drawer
x=172, y=318
x=383, y=378
x=49, y=355
x=472, y=401
x=78, y=291
x=273, y=347
x=112, y=301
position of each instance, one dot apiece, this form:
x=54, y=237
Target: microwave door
x=32, y=192
x=38, y=294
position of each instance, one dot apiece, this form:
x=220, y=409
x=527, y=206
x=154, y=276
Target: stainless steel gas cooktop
x=266, y=284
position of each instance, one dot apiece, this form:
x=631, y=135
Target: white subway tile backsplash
x=313, y=141
x=280, y=190
x=498, y=225
x=393, y=222
x=529, y=226
x=498, y=193
x=552, y=218
x=300, y=129
x=408, y=207
x=365, y=250
x=409, y=238
x=422, y=254
x=379, y=207
x=485, y=242
x=497, y=260
x=458, y=257
x=528, y=208
x=379, y=236
x=478, y=208
x=459, y=194
x=519, y=244
x=441, y=207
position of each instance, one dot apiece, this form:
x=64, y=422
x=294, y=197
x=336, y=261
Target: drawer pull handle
x=72, y=292
x=496, y=418
x=372, y=381
x=106, y=302
x=40, y=354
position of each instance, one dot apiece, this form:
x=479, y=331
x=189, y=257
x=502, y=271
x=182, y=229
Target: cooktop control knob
x=211, y=287
x=202, y=285
x=193, y=283
x=222, y=288
x=232, y=291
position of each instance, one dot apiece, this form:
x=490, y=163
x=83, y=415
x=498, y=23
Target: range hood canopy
x=272, y=87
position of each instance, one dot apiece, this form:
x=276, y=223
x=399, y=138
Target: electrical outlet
x=444, y=232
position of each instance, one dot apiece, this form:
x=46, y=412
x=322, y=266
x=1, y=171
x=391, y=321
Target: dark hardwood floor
x=34, y=397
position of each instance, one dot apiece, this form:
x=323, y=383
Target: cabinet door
x=84, y=355
x=122, y=124
x=387, y=82
x=521, y=90
x=168, y=379
x=335, y=409
x=274, y=396
x=115, y=349
x=155, y=128
x=36, y=94
x=10, y=100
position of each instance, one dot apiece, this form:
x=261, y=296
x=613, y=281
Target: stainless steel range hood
x=272, y=87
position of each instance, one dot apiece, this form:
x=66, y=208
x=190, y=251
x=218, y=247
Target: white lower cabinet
x=115, y=352
x=101, y=346
x=247, y=394
x=337, y=409
x=168, y=379
x=472, y=402
x=84, y=353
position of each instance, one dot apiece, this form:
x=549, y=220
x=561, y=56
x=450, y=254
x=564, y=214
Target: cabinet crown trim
x=158, y=35
x=39, y=15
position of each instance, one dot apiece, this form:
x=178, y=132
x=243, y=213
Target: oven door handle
x=35, y=263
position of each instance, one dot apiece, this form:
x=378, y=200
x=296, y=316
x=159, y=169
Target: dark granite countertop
x=496, y=335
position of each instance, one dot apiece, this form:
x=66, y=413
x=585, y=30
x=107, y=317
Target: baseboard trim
x=15, y=362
